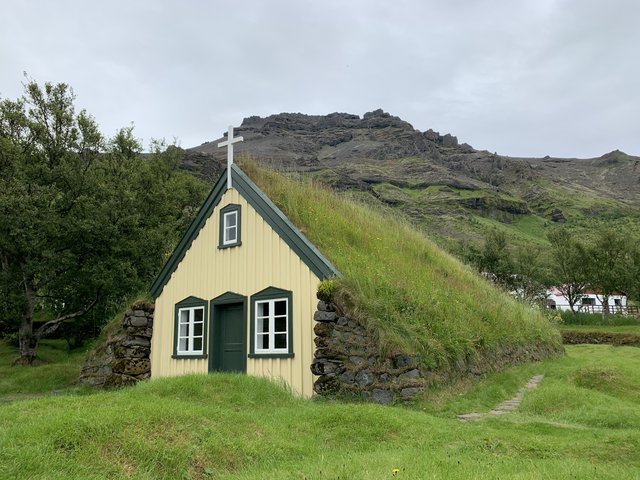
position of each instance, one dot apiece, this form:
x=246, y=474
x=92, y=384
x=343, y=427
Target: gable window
x=229, y=226
x=190, y=328
x=271, y=323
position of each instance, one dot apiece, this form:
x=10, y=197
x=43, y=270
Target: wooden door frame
x=216, y=305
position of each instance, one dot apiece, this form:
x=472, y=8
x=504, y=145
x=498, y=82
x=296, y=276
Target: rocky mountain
x=451, y=188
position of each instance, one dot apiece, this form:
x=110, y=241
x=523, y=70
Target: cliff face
x=307, y=142
x=428, y=174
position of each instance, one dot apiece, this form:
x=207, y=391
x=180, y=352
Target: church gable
x=230, y=233
x=237, y=295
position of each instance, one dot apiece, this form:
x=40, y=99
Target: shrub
x=580, y=318
x=327, y=289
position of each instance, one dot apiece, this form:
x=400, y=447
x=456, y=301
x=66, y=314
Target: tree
x=531, y=280
x=493, y=258
x=568, y=268
x=85, y=222
x=633, y=274
x=608, y=263
x=46, y=158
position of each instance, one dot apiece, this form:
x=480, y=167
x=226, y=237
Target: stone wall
x=347, y=360
x=618, y=339
x=123, y=358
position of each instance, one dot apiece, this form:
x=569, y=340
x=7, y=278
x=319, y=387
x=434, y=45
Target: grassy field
x=583, y=421
x=57, y=371
x=580, y=318
x=635, y=329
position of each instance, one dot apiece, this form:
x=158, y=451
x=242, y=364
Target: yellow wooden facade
x=262, y=260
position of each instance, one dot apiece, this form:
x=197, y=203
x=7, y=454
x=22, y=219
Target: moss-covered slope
x=405, y=289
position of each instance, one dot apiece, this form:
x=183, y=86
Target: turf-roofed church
x=239, y=292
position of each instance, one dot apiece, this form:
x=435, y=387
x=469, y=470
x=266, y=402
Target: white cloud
x=521, y=78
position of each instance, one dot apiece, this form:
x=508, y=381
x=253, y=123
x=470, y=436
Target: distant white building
x=588, y=302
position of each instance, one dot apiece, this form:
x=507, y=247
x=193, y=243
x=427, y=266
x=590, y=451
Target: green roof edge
x=292, y=236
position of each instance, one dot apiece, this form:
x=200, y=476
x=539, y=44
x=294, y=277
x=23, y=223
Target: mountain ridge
x=432, y=176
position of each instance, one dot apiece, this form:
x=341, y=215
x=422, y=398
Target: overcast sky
x=522, y=78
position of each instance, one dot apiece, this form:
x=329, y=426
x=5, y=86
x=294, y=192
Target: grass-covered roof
x=407, y=291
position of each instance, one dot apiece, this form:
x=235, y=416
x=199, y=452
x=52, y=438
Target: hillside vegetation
x=406, y=290
x=582, y=421
x=450, y=189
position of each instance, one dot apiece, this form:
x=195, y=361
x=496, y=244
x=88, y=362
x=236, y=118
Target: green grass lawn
x=583, y=421
x=634, y=329
x=57, y=371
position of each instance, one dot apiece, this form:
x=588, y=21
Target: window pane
x=182, y=344
x=280, y=307
x=197, y=330
x=230, y=235
x=263, y=325
x=197, y=344
x=280, y=340
x=199, y=314
x=230, y=219
x=184, y=316
x=263, y=342
x=263, y=309
x=184, y=330
x=281, y=324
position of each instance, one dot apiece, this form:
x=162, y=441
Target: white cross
x=229, y=144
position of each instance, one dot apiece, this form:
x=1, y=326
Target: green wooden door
x=228, y=339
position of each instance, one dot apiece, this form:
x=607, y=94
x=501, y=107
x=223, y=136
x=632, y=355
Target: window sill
x=271, y=355
x=231, y=245
x=187, y=356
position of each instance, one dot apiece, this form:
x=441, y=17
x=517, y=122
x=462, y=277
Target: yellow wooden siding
x=263, y=260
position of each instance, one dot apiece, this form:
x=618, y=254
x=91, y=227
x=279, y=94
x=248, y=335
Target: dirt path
x=507, y=405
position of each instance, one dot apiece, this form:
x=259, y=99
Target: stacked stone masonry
x=124, y=358
x=347, y=360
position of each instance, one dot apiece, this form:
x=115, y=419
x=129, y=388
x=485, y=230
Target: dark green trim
x=228, y=297
x=271, y=293
x=271, y=355
x=187, y=303
x=217, y=304
x=307, y=252
x=232, y=207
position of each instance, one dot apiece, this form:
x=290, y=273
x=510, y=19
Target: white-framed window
x=190, y=331
x=230, y=223
x=272, y=326
x=230, y=234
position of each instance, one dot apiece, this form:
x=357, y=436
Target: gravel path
x=507, y=405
